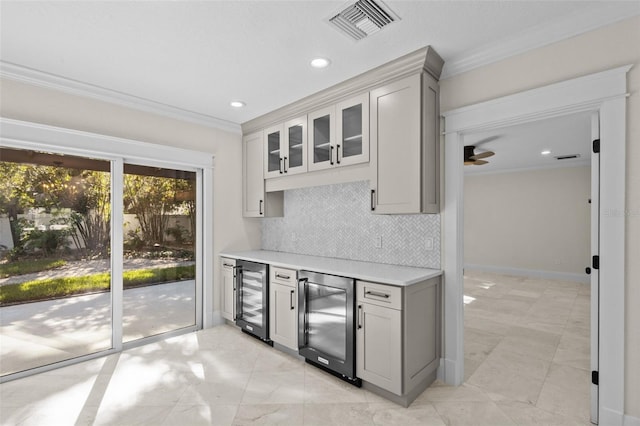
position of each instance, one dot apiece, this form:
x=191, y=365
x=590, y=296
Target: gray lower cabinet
x=283, y=307
x=228, y=289
x=379, y=345
x=398, y=338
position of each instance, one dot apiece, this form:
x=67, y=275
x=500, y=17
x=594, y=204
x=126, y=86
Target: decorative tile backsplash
x=335, y=221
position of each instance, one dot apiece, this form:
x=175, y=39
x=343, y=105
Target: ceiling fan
x=470, y=156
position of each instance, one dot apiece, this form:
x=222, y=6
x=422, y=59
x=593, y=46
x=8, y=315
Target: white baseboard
x=631, y=421
x=450, y=374
x=217, y=319
x=531, y=273
x=608, y=417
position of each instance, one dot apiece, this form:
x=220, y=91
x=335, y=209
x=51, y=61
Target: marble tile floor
x=527, y=361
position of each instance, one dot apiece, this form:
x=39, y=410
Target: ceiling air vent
x=567, y=157
x=362, y=18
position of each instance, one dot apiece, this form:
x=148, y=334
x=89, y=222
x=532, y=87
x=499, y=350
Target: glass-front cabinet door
x=352, y=130
x=295, y=146
x=339, y=134
x=273, y=157
x=322, y=138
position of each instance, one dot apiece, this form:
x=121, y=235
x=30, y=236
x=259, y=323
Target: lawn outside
x=9, y=269
x=89, y=276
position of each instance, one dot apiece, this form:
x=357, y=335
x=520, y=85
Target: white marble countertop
x=378, y=272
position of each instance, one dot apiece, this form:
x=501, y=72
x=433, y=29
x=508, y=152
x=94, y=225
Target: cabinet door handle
x=260, y=207
x=338, y=154
x=291, y=300
x=280, y=165
x=331, y=155
x=285, y=165
x=360, y=317
x=376, y=294
x=286, y=277
x=373, y=196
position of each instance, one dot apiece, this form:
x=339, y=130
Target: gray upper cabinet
x=286, y=148
x=339, y=134
x=405, y=146
x=381, y=125
x=255, y=201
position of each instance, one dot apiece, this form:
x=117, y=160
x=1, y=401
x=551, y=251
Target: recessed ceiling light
x=320, y=62
x=545, y=152
x=237, y=104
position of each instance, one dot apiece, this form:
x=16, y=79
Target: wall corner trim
x=34, y=77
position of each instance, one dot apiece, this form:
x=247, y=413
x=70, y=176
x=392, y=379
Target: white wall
x=533, y=220
x=231, y=232
x=602, y=49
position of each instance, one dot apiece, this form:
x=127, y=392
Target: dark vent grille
x=361, y=19
x=567, y=157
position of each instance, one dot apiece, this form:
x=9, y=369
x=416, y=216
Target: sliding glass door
x=159, y=231
x=55, y=266
x=77, y=279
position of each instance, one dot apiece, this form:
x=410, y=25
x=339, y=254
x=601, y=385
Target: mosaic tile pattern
x=335, y=221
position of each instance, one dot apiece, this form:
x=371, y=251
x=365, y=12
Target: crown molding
x=424, y=59
x=538, y=36
x=34, y=77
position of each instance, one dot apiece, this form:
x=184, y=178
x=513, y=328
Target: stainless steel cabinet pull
x=376, y=294
x=291, y=300
x=227, y=265
x=338, y=155
x=285, y=165
x=331, y=156
x=286, y=277
x=373, y=195
x=280, y=165
x=360, y=317
x=260, y=207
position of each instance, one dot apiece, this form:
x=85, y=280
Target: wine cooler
x=252, y=299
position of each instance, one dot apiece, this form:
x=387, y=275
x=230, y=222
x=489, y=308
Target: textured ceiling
x=199, y=55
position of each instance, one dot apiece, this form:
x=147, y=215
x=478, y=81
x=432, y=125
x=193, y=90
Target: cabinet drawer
x=379, y=294
x=283, y=276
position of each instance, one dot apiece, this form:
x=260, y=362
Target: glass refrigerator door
x=327, y=319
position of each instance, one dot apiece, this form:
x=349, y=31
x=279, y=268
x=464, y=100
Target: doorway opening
x=604, y=94
x=527, y=298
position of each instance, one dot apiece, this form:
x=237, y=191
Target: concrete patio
x=40, y=333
